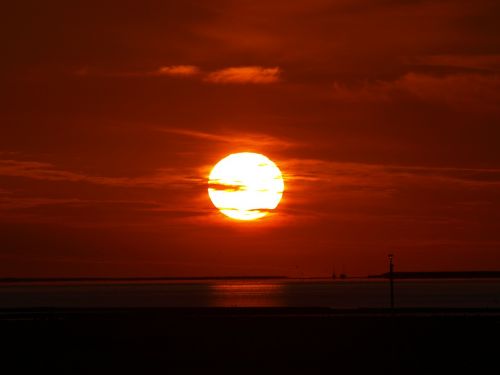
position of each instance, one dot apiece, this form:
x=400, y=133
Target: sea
x=338, y=294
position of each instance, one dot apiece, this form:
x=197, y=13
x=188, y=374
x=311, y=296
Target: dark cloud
x=467, y=92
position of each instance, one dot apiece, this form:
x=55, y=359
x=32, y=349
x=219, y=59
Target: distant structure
x=343, y=274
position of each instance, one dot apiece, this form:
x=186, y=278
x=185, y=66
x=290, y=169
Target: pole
x=391, y=279
x=392, y=328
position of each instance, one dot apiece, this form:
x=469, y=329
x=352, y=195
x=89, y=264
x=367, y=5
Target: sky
x=382, y=115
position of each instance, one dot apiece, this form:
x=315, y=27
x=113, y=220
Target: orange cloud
x=178, y=70
x=245, y=74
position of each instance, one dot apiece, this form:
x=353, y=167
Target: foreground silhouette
x=249, y=340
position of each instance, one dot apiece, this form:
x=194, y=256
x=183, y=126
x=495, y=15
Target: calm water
x=261, y=293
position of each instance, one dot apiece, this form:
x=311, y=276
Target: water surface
x=352, y=293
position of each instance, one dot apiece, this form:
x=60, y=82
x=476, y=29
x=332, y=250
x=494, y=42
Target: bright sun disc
x=245, y=186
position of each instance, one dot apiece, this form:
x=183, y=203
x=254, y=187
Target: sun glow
x=245, y=186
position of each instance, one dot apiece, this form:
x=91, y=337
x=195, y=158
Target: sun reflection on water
x=253, y=294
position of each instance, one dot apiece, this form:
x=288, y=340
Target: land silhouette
x=246, y=340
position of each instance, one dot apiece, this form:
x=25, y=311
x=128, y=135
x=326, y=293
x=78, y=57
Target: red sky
x=383, y=115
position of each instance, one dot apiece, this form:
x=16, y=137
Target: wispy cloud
x=315, y=189
x=242, y=139
x=345, y=174
x=48, y=172
x=245, y=74
x=328, y=174
x=12, y=202
x=359, y=192
x=105, y=212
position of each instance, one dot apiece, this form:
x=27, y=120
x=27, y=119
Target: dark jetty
x=440, y=275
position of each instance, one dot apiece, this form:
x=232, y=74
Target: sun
x=245, y=186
